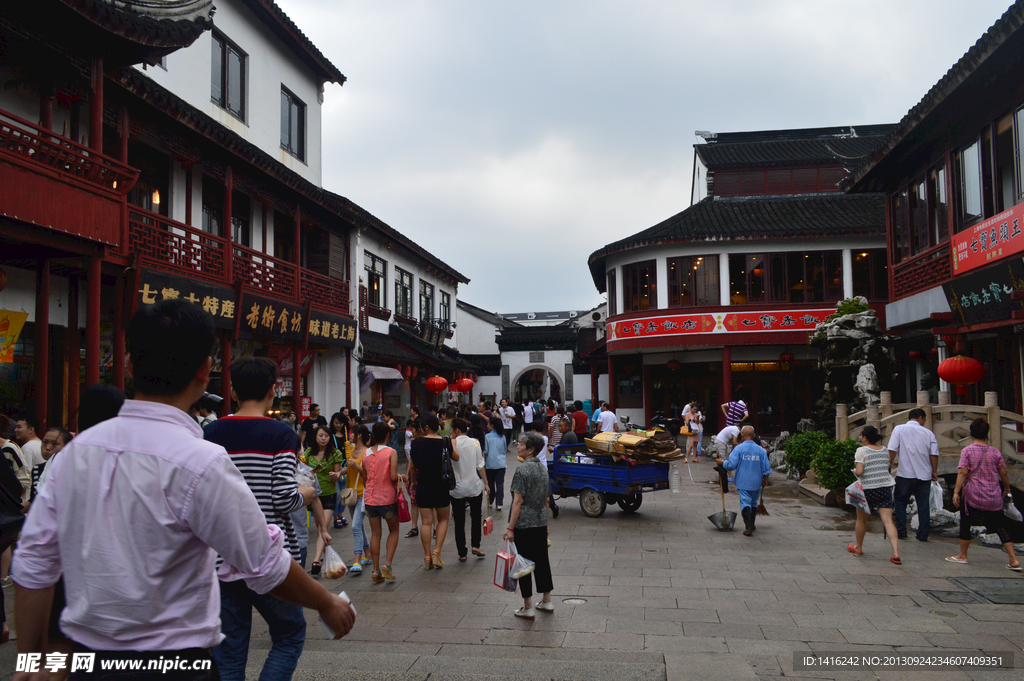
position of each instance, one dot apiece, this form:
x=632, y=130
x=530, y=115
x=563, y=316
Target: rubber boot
x=748, y=521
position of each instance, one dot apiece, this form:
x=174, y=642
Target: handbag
x=404, y=515
x=12, y=516
x=447, y=471
x=350, y=496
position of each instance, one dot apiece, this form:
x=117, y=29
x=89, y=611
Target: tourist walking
x=606, y=420
x=469, y=488
x=340, y=437
x=918, y=453
x=162, y=503
x=496, y=448
x=568, y=437
x=553, y=432
x=506, y=413
x=380, y=465
x=327, y=462
x=984, y=483
x=432, y=494
x=263, y=450
x=310, y=425
x=872, y=469
x=694, y=420
x=750, y=461
x=528, y=524
x=412, y=431
x=580, y=420
x=355, y=478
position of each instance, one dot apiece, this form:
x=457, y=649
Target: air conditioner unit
x=531, y=315
x=596, y=316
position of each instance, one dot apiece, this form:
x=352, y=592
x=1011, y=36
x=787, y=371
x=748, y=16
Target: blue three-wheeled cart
x=598, y=479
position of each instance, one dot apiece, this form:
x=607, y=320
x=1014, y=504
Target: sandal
x=412, y=533
x=427, y=563
x=478, y=553
x=315, y=568
x=852, y=548
x=385, y=571
x=954, y=559
x=438, y=563
x=1015, y=568
x=377, y=579
x=462, y=559
x=895, y=561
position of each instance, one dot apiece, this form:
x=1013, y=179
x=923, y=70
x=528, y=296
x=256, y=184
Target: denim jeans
x=496, y=485
x=360, y=540
x=920, y=489
x=287, y=631
x=303, y=553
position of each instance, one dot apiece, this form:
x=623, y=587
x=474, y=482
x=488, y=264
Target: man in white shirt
x=31, y=445
x=726, y=438
x=136, y=511
x=918, y=453
x=606, y=421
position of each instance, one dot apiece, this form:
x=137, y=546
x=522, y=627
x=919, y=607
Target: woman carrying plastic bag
x=873, y=489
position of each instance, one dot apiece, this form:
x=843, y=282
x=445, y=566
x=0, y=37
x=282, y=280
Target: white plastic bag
x=304, y=476
x=855, y=496
x=334, y=566
x=935, y=496
x=1010, y=510
x=331, y=634
x=521, y=567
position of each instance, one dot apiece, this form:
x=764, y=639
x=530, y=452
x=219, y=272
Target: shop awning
x=384, y=373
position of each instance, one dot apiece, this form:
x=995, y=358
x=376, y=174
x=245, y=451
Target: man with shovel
x=750, y=461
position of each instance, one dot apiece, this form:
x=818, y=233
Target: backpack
x=538, y=410
x=21, y=471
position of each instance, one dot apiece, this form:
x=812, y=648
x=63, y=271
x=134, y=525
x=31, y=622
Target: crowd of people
x=157, y=500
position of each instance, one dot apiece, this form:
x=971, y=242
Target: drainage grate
x=998, y=590
x=574, y=601
x=943, y=613
x=952, y=596
x=652, y=550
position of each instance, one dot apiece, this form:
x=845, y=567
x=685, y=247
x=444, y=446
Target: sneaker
x=525, y=614
x=545, y=607
x=356, y=569
x=497, y=508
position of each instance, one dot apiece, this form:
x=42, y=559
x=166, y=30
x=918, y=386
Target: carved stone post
x=995, y=421
x=842, y=422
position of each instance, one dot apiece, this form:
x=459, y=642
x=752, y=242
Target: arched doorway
x=537, y=379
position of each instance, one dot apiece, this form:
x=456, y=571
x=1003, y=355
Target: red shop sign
x=718, y=322
x=998, y=237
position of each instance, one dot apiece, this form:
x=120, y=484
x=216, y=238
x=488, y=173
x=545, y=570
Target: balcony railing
x=263, y=272
x=26, y=143
x=177, y=247
x=922, y=272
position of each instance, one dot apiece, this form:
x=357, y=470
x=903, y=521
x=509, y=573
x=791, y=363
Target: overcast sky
x=512, y=139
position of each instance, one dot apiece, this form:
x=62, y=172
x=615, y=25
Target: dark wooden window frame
x=227, y=49
x=293, y=124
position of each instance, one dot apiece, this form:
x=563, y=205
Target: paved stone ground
x=667, y=597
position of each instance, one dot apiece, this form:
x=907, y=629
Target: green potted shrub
x=801, y=448
x=833, y=464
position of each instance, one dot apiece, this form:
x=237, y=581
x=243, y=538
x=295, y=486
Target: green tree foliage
x=833, y=464
x=801, y=448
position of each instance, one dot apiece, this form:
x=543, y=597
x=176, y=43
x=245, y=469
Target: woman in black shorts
x=872, y=468
x=432, y=496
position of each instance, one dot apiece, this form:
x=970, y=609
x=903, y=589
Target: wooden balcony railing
x=922, y=272
x=176, y=246
x=28, y=144
x=179, y=248
x=264, y=273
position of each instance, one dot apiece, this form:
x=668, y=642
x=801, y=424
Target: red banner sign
x=993, y=239
x=718, y=322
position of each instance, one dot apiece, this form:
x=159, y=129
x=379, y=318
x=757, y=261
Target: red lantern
x=787, y=357
x=398, y=368
x=464, y=385
x=961, y=371
x=673, y=364
x=415, y=372
x=436, y=384
x=474, y=377
x=915, y=354
x=407, y=373
x=935, y=352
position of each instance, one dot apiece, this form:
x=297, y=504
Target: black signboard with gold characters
x=986, y=295
x=219, y=301
x=265, y=316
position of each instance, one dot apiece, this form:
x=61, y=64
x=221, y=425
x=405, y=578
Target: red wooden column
x=229, y=189
x=188, y=193
x=726, y=376
x=73, y=353
x=41, y=359
x=119, y=332
x=613, y=388
x=92, y=322
x=46, y=112
x=96, y=106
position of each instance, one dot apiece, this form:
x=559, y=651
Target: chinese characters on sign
x=998, y=237
x=219, y=301
x=287, y=321
x=718, y=322
x=985, y=295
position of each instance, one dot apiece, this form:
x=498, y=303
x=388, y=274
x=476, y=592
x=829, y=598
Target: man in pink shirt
x=134, y=513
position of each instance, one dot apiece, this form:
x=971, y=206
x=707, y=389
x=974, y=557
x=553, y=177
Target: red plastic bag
x=404, y=515
x=488, y=521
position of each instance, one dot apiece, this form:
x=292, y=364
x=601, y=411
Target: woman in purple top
x=984, y=482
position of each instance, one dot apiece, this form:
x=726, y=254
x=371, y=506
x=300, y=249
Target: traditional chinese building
x=953, y=176
x=719, y=300
x=150, y=152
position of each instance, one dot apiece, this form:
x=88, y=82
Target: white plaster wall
x=326, y=382
x=270, y=64
x=487, y=385
x=475, y=335
x=378, y=325
x=519, y=361
x=24, y=101
x=20, y=296
x=581, y=387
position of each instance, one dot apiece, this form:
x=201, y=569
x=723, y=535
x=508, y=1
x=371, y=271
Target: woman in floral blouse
x=528, y=522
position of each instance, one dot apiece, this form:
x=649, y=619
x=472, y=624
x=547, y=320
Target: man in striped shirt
x=735, y=412
x=263, y=450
